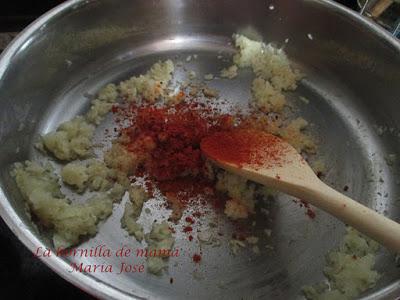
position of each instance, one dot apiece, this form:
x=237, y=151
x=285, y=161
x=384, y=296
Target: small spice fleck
x=197, y=258
x=189, y=220
x=197, y=214
x=187, y=229
x=310, y=213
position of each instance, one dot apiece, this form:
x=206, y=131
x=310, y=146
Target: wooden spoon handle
x=379, y=7
x=362, y=218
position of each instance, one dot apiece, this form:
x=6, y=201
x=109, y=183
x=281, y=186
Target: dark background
x=16, y=14
x=21, y=275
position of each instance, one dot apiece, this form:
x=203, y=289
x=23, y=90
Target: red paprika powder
x=244, y=147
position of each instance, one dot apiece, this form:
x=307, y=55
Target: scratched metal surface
x=353, y=75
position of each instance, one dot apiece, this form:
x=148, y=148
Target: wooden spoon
x=268, y=160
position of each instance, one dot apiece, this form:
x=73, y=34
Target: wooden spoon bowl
x=269, y=160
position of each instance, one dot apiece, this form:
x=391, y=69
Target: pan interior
x=348, y=142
